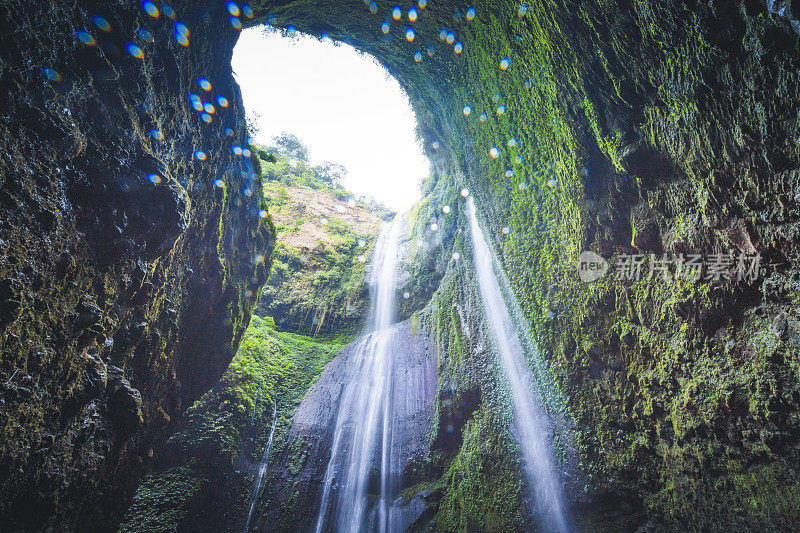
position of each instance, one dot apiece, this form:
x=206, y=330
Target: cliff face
x=628, y=128
x=297, y=471
x=621, y=127
x=203, y=477
x=128, y=277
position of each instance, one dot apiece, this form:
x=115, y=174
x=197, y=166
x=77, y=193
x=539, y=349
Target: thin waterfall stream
x=363, y=423
x=262, y=469
x=530, y=419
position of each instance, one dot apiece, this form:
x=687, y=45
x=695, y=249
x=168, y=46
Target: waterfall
x=262, y=470
x=530, y=420
x=364, y=412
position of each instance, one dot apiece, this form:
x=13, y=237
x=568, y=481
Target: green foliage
x=188, y=486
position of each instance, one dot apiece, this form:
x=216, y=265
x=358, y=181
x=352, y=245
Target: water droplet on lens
x=205, y=117
x=484, y=117
x=222, y=101
x=181, y=38
x=464, y=192
x=262, y=213
x=523, y=186
x=506, y=230
x=237, y=150
x=467, y=110
x=410, y=34
x=523, y=10
x=246, y=152
x=101, y=23
x=236, y=23
x=518, y=160
x=397, y=12
x=442, y=34
x=199, y=154
x=134, y=50
x=219, y=183
x=412, y=14
x=494, y=152
x=434, y=226
x=435, y=145
x=208, y=108
x=233, y=9
x=181, y=28
x=156, y=134
x=272, y=19
x=385, y=27
x=458, y=47
x=431, y=50
x=418, y=57
x=373, y=7
x=228, y=131
x=456, y=256
x=204, y=83
x=150, y=8
x=501, y=109
x=85, y=38
x=552, y=183
x=247, y=10
x=512, y=142
x=504, y=63
x=406, y=295
x=510, y=173
x=168, y=11
x=154, y=178
x=451, y=37
x=145, y=35
x=422, y=3
x=446, y=209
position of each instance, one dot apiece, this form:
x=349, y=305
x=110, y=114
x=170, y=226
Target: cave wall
x=123, y=300
x=642, y=126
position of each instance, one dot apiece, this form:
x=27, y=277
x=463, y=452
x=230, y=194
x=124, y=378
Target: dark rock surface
x=297, y=474
x=641, y=126
x=122, y=300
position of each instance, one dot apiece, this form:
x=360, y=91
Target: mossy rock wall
x=642, y=126
x=123, y=299
x=204, y=476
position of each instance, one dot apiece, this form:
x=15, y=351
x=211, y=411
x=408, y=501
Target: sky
x=341, y=104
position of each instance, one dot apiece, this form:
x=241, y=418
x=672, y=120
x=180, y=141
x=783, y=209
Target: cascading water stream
x=529, y=416
x=365, y=408
x=262, y=470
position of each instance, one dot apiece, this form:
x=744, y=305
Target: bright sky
x=341, y=104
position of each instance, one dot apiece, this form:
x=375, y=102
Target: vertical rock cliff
x=638, y=127
x=128, y=271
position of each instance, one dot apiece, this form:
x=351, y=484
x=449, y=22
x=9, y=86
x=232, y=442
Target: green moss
x=189, y=484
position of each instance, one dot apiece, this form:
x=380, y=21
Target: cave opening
x=352, y=118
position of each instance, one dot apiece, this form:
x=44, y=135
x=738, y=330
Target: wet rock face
x=641, y=126
x=127, y=276
x=297, y=474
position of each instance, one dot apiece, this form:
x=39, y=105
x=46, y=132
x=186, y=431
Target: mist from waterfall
x=509, y=337
x=363, y=434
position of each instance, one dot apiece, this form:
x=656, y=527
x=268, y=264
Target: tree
x=330, y=173
x=289, y=145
